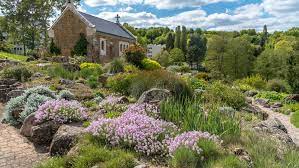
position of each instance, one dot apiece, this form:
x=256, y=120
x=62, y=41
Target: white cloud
x=281, y=7
x=81, y=9
x=96, y=3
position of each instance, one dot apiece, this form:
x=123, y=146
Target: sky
x=226, y=15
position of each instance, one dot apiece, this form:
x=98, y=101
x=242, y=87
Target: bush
x=295, y=119
x=59, y=71
x=121, y=83
x=67, y=95
x=134, y=55
x=61, y=111
x=93, y=82
x=149, y=64
x=81, y=46
x=162, y=58
x=272, y=96
x=90, y=69
x=116, y=66
x=131, y=69
x=176, y=55
x=224, y=95
x=20, y=73
x=278, y=85
x=255, y=82
x=184, y=67
x=185, y=158
x=54, y=49
x=196, y=83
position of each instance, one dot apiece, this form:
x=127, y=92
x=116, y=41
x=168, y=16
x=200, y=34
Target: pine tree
x=184, y=40
x=170, y=41
x=177, y=37
x=264, y=37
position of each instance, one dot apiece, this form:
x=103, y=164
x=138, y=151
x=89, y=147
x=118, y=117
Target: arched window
x=103, y=45
x=121, y=47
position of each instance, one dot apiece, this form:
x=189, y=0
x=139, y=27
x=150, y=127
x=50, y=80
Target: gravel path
x=15, y=150
x=285, y=120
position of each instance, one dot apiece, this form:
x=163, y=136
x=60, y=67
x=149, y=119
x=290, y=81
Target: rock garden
x=135, y=113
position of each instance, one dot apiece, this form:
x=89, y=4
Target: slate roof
x=108, y=27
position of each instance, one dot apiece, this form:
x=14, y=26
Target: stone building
x=106, y=39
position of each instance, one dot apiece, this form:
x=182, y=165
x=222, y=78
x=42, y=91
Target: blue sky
x=207, y=14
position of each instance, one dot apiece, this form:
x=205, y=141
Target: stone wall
x=6, y=87
x=67, y=32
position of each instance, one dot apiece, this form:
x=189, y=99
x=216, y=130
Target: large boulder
x=276, y=129
x=65, y=138
x=251, y=93
x=255, y=110
x=26, y=129
x=263, y=102
x=43, y=134
x=154, y=96
x=15, y=93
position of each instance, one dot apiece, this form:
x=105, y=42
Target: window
x=103, y=45
x=121, y=47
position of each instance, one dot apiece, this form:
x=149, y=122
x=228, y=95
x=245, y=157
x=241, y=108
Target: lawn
x=14, y=57
x=295, y=119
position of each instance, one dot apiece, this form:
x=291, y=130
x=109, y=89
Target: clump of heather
x=61, y=111
x=145, y=109
x=143, y=133
x=190, y=141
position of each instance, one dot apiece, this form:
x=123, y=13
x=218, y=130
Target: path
x=285, y=120
x=15, y=150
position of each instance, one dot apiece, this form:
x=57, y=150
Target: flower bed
x=61, y=111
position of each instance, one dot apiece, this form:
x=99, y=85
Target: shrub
x=131, y=69
x=149, y=64
x=59, y=71
x=54, y=49
x=278, y=85
x=93, y=82
x=196, y=83
x=121, y=83
x=67, y=95
x=55, y=162
x=272, y=96
x=90, y=69
x=224, y=95
x=255, y=82
x=184, y=158
x=202, y=75
x=176, y=55
x=20, y=73
x=116, y=66
x=228, y=161
x=81, y=46
x=134, y=55
x=13, y=105
x=184, y=67
x=162, y=58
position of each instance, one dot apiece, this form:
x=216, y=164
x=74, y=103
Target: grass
x=14, y=57
x=295, y=119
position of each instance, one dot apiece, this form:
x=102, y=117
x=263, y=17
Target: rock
x=263, y=102
x=15, y=93
x=71, y=67
x=26, y=129
x=66, y=82
x=81, y=91
x=43, y=134
x=154, y=96
x=243, y=155
x=255, y=110
x=293, y=97
x=277, y=105
x=251, y=93
x=48, y=78
x=123, y=100
x=275, y=128
x=229, y=111
x=64, y=139
x=36, y=75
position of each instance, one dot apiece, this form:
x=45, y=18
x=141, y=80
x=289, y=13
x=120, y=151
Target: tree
x=170, y=41
x=177, y=42
x=80, y=48
x=176, y=56
x=197, y=49
x=264, y=37
x=163, y=58
x=135, y=55
x=183, y=40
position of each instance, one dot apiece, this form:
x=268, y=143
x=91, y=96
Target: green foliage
x=20, y=73
x=134, y=55
x=295, y=119
x=13, y=57
x=116, y=66
x=121, y=83
x=58, y=70
x=90, y=69
x=184, y=67
x=278, y=85
x=224, y=95
x=196, y=83
x=81, y=46
x=149, y=64
x=202, y=75
x=67, y=95
x=92, y=82
x=185, y=158
x=197, y=48
x=162, y=58
x=272, y=96
x=177, y=41
x=210, y=150
x=228, y=161
x=131, y=68
x=54, y=49
x=55, y=162
x=255, y=82
x=190, y=116
x=176, y=56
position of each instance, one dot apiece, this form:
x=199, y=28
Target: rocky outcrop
x=71, y=67
x=43, y=134
x=6, y=86
x=64, y=139
x=293, y=97
x=276, y=129
x=243, y=155
x=26, y=129
x=263, y=102
x=256, y=110
x=251, y=93
x=154, y=96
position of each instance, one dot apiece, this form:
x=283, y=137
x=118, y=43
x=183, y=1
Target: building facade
x=153, y=49
x=106, y=40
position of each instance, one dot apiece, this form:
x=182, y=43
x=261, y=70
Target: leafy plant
x=20, y=73
x=54, y=49
x=149, y=64
x=255, y=82
x=81, y=46
x=121, y=83
x=184, y=158
x=67, y=95
x=90, y=69
x=134, y=55
x=116, y=66
x=278, y=85
x=59, y=71
x=272, y=96
x=295, y=119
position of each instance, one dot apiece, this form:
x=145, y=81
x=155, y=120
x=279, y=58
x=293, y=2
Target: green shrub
x=210, y=149
x=20, y=73
x=90, y=69
x=81, y=46
x=121, y=83
x=54, y=49
x=272, y=96
x=59, y=71
x=184, y=67
x=149, y=64
x=176, y=55
x=196, y=83
x=185, y=158
x=228, y=161
x=190, y=116
x=278, y=85
x=67, y=95
x=254, y=82
x=162, y=58
x=93, y=82
x=116, y=66
x=293, y=107
x=131, y=69
x=55, y=162
x=202, y=75
x=134, y=55
x=224, y=95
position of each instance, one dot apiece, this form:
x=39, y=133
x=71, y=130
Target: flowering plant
x=61, y=111
x=145, y=134
x=145, y=109
x=189, y=140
